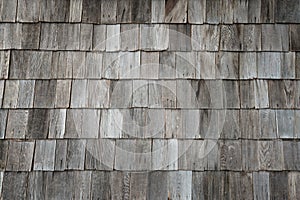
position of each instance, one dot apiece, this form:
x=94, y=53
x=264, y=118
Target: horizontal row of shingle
x=147, y=11
x=150, y=185
x=148, y=65
x=149, y=123
x=150, y=37
x=214, y=94
x=149, y=154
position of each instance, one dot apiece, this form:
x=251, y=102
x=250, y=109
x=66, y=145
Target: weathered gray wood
x=149, y=68
x=207, y=64
x=250, y=155
x=130, y=37
x=8, y=10
x=269, y=64
x=227, y=65
x=247, y=65
x=180, y=185
x=11, y=35
x=176, y=11
x=275, y=37
x=185, y=94
x=291, y=157
x=172, y=123
x=38, y=123
x=240, y=11
x=26, y=93
x=3, y=153
x=30, y=36
x=279, y=185
x=294, y=181
x=111, y=123
x=4, y=64
x=20, y=155
x=108, y=12
x=121, y=94
x=157, y=11
x=140, y=93
x=254, y=11
x=36, y=185
x=287, y=69
x=75, y=12
x=295, y=44
x=100, y=185
x=16, y=182
x=10, y=99
x=44, y=93
x=49, y=36
x=124, y=11
x=167, y=67
x=111, y=66
x=59, y=185
x=76, y=60
x=261, y=185
x=164, y=155
x=287, y=11
x=130, y=65
x=230, y=155
x=267, y=124
x=1, y=180
x=205, y=37
x=91, y=11
x=75, y=154
x=261, y=90
x=3, y=120
x=86, y=36
x=99, y=36
x=97, y=93
x=79, y=94
x=141, y=11
x=267, y=11
x=232, y=97
x=28, y=11
x=60, y=155
x=138, y=185
x=226, y=12
x=133, y=155
x=99, y=154
x=158, y=185
x=249, y=124
x=113, y=38
x=44, y=157
x=82, y=184
x=185, y=63
x=191, y=155
x=212, y=160
x=246, y=184
x=211, y=94
x=63, y=91
x=17, y=124
x=285, y=123
x=93, y=65
x=82, y=123
x=162, y=94
x=251, y=37
x=270, y=155
x=213, y=11
x=154, y=37
x=283, y=93
x=196, y=12
x=247, y=94
x=54, y=11
x=231, y=38
x=57, y=123
x=180, y=37
x=231, y=126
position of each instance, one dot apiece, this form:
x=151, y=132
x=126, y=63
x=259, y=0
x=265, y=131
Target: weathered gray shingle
x=8, y=10
x=176, y=11
x=205, y=37
x=16, y=182
x=17, y=124
x=38, y=123
x=75, y=154
x=275, y=37
x=154, y=37
x=44, y=156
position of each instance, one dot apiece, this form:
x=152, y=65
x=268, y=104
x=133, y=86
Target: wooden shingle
x=213, y=12
x=269, y=65
x=141, y=11
x=112, y=38
x=281, y=93
x=82, y=180
x=99, y=154
x=249, y=124
x=3, y=153
x=291, y=156
x=91, y=11
x=207, y=64
x=158, y=185
x=297, y=124
x=86, y=36
x=285, y=121
x=60, y=185
x=226, y=12
x=287, y=11
x=140, y=93
x=162, y=94
x=176, y=11
x=30, y=36
x=108, y=12
x=251, y=37
x=63, y=92
x=57, y=123
x=267, y=11
x=111, y=66
x=240, y=185
x=164, y=154
x=130, y=64
x=60, y=155
x=196, y=12
x=230, y=155
x=261, y=185
x=231, y=125
x=267, y=124
x=180, y=37
x=157, y=11
x=75, y=12
x=185, y=63
x=240, y=11
x=61, y=64
x=248, y=66
x=227, y=65
x=38, y=123
x=79, y=94
x=121, y=94
x=36, y=185
x=17, y=124
x=231, y=94
x=294, y=181
x=295, y=44
x=111, y=123
x=82, y=123
x=249, y=155
x=275, y=37
x=247, y=94
x=167, y=68
x=26, y=93
x=3, y=120
x=180, y=184
x=8, y=10
x=100, y=185
x=124, y=11
x=254, y=11
x=16, y=182
x=11, y=35
x=75, y=154
x=185, y=94
x=149, y=65
x=4, y=64
x=279, y=185
x=261, y=90
x=205, y=37
x=99, y=36
x=130, y=34
x=20, y=155
x=154, y=37
x=11, y=90
x=54, y=11
x=28, y=11
x=231, y=38
x=44, y=93
x=44, y=157
x=97, y=94
x=270, y=155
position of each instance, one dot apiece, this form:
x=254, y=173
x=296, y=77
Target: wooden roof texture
x=150, y=99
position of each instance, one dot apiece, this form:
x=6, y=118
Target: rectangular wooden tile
x=91, y=11
x=140, y=93
x=267, y=124
x=3, y=120
x=98, y=93
x=275, y=37
x=44, y=93
x=57, y=123
x=111, y=123
x=248, y=66
x=192, y=155
x=261, y=185
x=267, y=11
x=247, y=94
x=54, y=11
x=121, y=94
x=226, y=12
x=99, y=36
x=231, y=90
x=79, y=94
x=8, y=11
x=93, y=65
x=207, y=64
x=60, y=155
x=108, y=12
x=99, y=154
x=212, y=160
x=36, y=185
x=185, y=63
x=4, y=64
x=100, y=185
x=205, y=37
x=261, y=90
x=75, y=154
x=60, y=185
x=16, y=182
x=249, y=124
x=20, y=155
x=75, y=12
x=196, y=12
x=130, y=34
x=44, y=157
x=167, y=68
x=287, y=68
x=250, y=155
x=154, y=37
x=287, y=11
x=180, y=184
x=295, y=44
x=26, y=93
x=30, y=36
x=281, y=93
x=180, y=37
x=38, y=123
x=11, y=90
x=149, y=65
x=294, y=181
x=157, y=11
x=227, y=65
x=124, y=11
x=111, y=66
x=230, y=155
x=213, y=12
x=279, y=185
x=3, y=155
x=141, y=11
x=268, y=65
x=291, y=156
x=28, y=11
x=11, y=36
x=285, y=121
x=270, y=155
x=63, y=92
x=240, y=14
x=186, y=95
x=231, y=126
x=251, y=37
x=112, y=38
x=86, y=36
x=17, y=124
x=176, y=11
x=231, y=37
x=130, y=65
x=164, y=154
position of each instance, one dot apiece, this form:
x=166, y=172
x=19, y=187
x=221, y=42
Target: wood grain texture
x=75, y=154
x=121, y=92
x=287, y=11
x=54, y=11
x=268, y=64
x=149, y=65
x=38, y=124
x=196, y=11
x=185, y=63
x=164, y=155
x=248, y=66
x=295, y=44
x=180, y=37
x=207, y=63
x=267, y=11
x=3, y=120
x=91, y=11
x=261, y=185
x=75, y=13
x=11, y=90
x=279, y=185
x=275, y=37
x=112, y=38
x=293, y=181
x=247, y=94
x=44, y=156
x=291, y=156
x=44, y=93
x=60, y=155
x=28, y=11
x=250, y=155
x=285, y=121
x=99, y=36
x=86, y=36
x=180, y=185
x=191, y=154
x=254, y=11
x=231, y=38
x=251, y=37
x=26, y=93
x=129, y=64
x=267, y=124
x=30, y=36
x=227, y=65
x=231, y=126
x=157, y=11
x=261, y=90
x=4, y=64
x=63, y=92
x=16, y=182
x=205, y=37
x=8, y=11
x=124, y=11
x=57, y=123
x=17, y=124
x=270, y=155
x=230, y=155
x=141, y=11
x=167, y=68
x=176, y=11
x=213, y=11
x=154, y=37
x=158, y=185
x=130, y=34
x=3, y=154
x=249, y=124
x=97, y=93
x=108, y=12
x=232, y=97
x=283, y=94
x=140, y=93
x=240, y=11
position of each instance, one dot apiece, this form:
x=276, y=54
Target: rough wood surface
x=44, y=157
x=17, y=124
x=176, y=11
x=275, y=37
x=38, y=123
x=205, y=37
